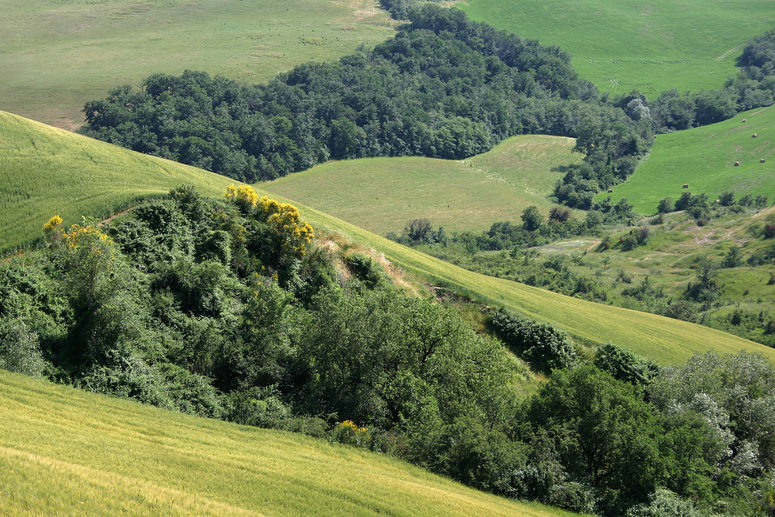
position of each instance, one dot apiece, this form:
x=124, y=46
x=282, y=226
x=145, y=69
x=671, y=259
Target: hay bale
x=610, y=190
x=761, y=161
x=737, y=164
x=755, y=135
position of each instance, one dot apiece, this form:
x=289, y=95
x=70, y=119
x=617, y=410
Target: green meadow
x=704, y=158
x=57, y=55
x=383, y=194
x=46, y=171
x=32, y=193
x=624, y=45
x=64, y=451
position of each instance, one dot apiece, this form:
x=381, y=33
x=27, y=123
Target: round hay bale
x=761, y=161
x=610, y=190
x=737, y=164
x=755, y=135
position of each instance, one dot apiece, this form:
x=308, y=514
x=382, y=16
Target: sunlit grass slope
x=382, y=194
x=46, y=171
x=68, y=452
x=30, y=192
x=56, y=55
x=704, y=158
x=621, y=45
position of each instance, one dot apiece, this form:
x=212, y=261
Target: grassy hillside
x=46, y=171
x=704, y=158
x=67, y=452
x=651, y=46
x=382, y=194
x=57, y=55
x=27, y=180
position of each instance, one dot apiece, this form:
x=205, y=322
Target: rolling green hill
x=382, y=194
x=704, y=158
x=57, y=55
x=47, y=171
x=95, y=166
x=68, y=452
x=651, y=46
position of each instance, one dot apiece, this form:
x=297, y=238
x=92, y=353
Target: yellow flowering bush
x=53, y=224
x=283, y=218
x=79, y=234
x=349, y=433
x=244, y=196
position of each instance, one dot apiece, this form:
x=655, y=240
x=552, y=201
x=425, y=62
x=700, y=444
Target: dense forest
x=230, y=309
x=443, y=87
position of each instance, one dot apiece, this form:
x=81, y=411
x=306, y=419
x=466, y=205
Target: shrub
x=629, y=243
x=625, y=365
x=348, y=433
x=664, y=503
x=544, y=346
x=665, y=206
x=19, y=349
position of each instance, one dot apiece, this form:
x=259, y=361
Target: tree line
x=443, y=87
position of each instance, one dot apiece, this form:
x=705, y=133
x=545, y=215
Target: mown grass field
x=56, y=55
x=31, y=193
x=624, y=45
x=68, y=452
x=383, y=194
x=704, y=158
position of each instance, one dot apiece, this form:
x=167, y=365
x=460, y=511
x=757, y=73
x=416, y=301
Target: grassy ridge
x=623, y=45
x=704, y=158
x=68, y=452
x=46, y=171
x=57, y=55
x=27, y=181
x=382, y=194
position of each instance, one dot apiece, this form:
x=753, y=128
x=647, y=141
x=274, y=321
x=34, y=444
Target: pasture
x=383, y=194
x=625, y=45
x=704, y=158
x=55, y=55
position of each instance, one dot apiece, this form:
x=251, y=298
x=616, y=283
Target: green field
x=95, y=166
x=623, y=45
x=68, y=452
x=704, y=158
x=382, y=194
x=46, y=171
x=57, y=55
